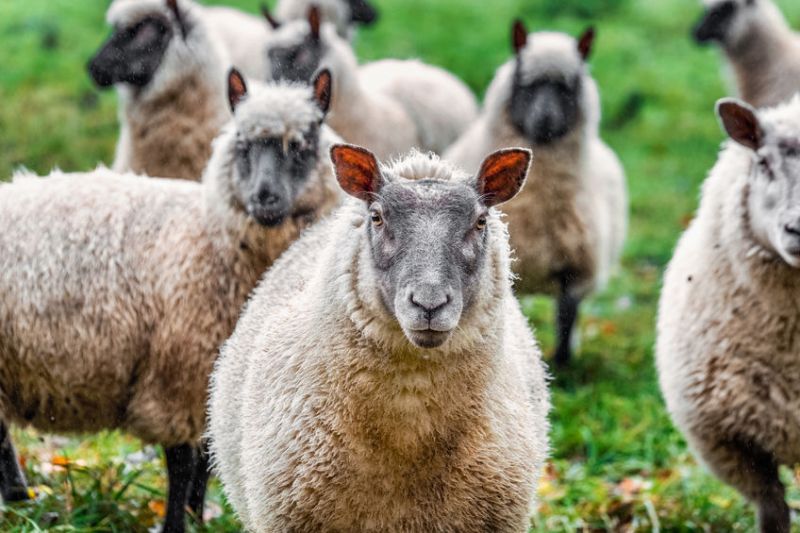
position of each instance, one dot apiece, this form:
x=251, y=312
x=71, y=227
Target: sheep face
x=427, y=238
x=773, y=202
x=274, y=155
x=132, y=54
x=724, y=21
x=546, y=109
x=547, y=94
x=299, y=56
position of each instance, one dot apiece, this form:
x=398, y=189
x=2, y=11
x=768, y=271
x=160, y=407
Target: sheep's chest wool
x=336, y=421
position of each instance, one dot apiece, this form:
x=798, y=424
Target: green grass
x=618, y=464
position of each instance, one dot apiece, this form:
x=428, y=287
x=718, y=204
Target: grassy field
x=618, y=464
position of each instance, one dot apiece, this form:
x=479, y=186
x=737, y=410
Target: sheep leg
x=566, y=317
x=754, y=473
x=12, y=481
x=202, y=471
x=180, y=471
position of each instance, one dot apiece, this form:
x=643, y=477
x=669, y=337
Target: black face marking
x=269, y=179
x=298, y=62
x=714, y=24
x=132, y=54
x=546, y=109
x=362, y=12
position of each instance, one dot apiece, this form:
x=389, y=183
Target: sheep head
x=428, y=236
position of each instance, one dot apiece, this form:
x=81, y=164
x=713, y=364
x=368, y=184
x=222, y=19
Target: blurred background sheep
x=617, y=461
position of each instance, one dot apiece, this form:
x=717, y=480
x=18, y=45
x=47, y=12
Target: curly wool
x=306, y=416
x=729, y=325
x=572, y=213
x=167, y=127
x=118, y=290
x=388, y=106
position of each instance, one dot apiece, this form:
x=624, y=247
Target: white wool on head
x=417, y=165
x=277, y=109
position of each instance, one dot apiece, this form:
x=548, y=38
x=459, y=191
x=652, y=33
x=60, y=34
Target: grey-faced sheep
x=728, y=348
x=116, y=291
x=169, y=70
x=383, y=377
x=400, y=104
x=760, y=46
x=568, y=225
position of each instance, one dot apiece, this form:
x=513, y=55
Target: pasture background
x=617, y=462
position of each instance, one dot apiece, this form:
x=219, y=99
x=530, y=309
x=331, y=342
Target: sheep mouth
x=269, y=218
x=428, y=338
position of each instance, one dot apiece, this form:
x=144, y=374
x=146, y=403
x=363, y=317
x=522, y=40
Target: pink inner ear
x=502, y=175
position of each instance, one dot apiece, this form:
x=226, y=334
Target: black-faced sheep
x=400, y=104
x=760, y=46
x=568, y=224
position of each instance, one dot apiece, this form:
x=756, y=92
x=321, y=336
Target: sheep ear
x=741, y=123
x=357, y=171
x=503, y=174
x=172, y=5
x=519, y=36
x=314, y=20
x=237, y=88
x=586, y=41
x=323, y=89
x=273, y=22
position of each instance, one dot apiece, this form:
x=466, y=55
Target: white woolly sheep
x=568, y=225
x=401, y=104
x=245, y=36
x=728, y=323
x=379, y=383
x=116, y=291
x=169, y=70
x=760, y=46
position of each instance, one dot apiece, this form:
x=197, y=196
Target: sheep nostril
x=793, y=230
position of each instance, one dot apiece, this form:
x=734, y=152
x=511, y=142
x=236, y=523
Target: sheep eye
x=377, y=219
x=765, y=168
x=480, y=225
x=793, y=151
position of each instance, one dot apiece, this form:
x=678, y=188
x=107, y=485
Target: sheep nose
x=793, y=229
x=430, y=302
x=266, y=197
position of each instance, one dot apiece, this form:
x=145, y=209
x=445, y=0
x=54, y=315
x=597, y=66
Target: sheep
x=343, y=14
x=169, y=70
x=383, y=377
x=245, y=35
x=728, y=335
x=401, y=104
x=568, y=225
x=116, y=291
x=761, y=48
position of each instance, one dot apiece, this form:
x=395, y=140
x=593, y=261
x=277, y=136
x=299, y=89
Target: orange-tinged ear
x=585, y=42
x=314, y=20
x=740, y=122
x=273, y=22
x=323, y=89
x=237, y=88
x=503, y=174
x=519, y=35
x=356, y=170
